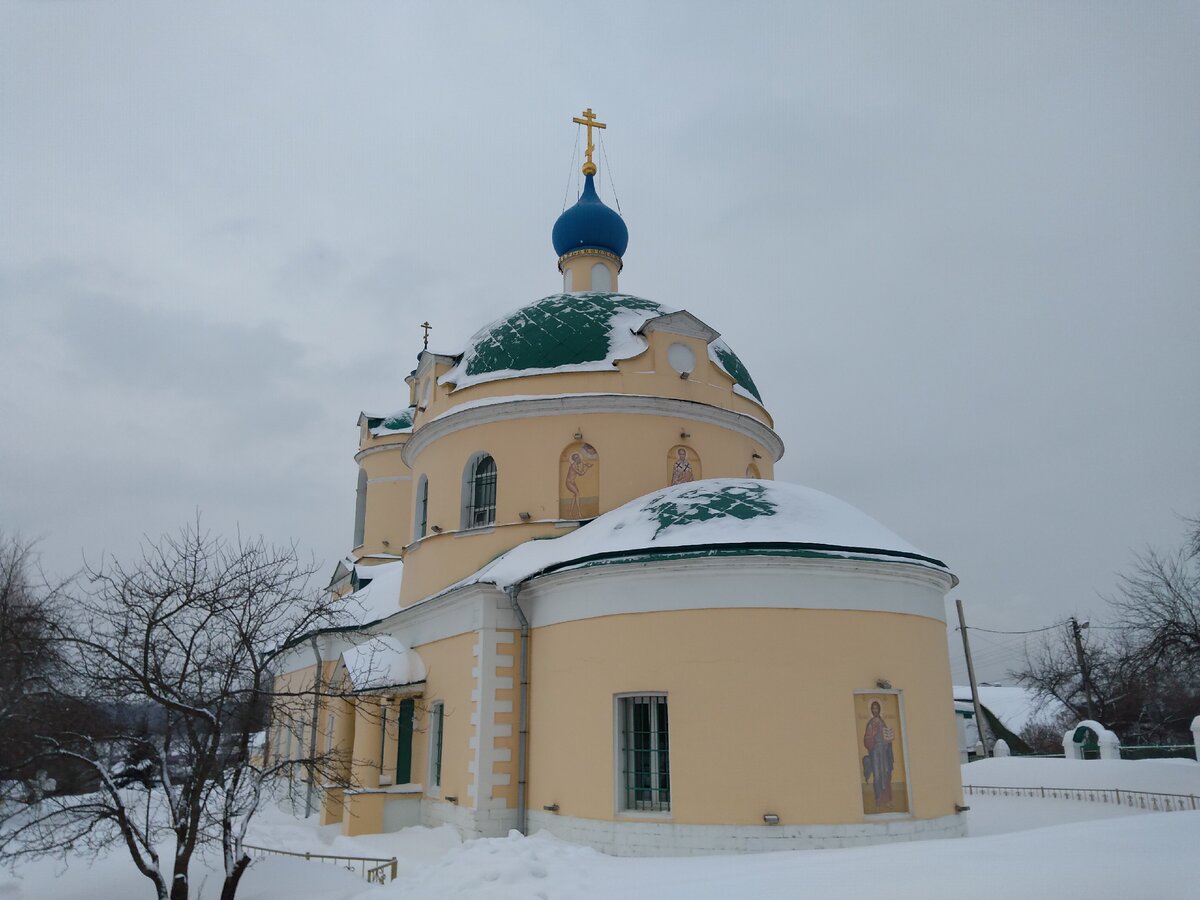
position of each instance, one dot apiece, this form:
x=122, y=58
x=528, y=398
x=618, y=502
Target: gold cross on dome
x=427, y=327
x=589, y=119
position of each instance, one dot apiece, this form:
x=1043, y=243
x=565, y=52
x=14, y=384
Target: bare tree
x=29, y=610
x=1159, y=602
x=1144, y=671
x=183, y=637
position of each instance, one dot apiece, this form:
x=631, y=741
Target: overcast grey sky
x=956, y=245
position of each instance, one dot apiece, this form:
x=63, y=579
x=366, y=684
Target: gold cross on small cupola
x=589, y=119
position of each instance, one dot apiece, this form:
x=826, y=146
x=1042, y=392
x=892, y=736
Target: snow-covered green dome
x=715, y=517
x=580, y=332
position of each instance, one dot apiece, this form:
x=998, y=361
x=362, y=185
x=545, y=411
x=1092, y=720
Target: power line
x=1032, y=631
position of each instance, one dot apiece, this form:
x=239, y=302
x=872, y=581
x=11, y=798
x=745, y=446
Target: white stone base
x=626, y=838
x=471, y=823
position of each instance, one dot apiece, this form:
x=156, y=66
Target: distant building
x=595, y=612
x=1009, y=711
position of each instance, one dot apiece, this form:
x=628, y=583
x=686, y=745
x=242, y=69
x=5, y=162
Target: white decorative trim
x=756, y=582
x=484, y=696
x=682, y=323
x=368, y=451
x=505, y=410
x=659, y=838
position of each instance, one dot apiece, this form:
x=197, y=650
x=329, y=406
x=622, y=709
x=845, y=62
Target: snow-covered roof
x=580, y=332
x=400, y=422
x=1015, y=707
x=382, y=662
x=379, y=595
x=734, y=515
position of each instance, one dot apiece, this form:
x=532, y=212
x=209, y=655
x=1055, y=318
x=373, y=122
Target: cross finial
x=589, y=119
x=427, y=327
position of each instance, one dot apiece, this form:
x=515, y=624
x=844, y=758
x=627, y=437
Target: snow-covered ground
x=1028, y=848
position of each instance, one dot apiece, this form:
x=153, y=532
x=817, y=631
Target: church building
x=584, y=604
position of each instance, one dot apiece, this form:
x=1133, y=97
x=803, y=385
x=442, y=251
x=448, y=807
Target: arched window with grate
x=479, y=492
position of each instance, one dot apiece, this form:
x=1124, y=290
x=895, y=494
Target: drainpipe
x=312, y=741
x=523, y=733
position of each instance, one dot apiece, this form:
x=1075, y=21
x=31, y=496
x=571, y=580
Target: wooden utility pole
x=1077, y=633
x=979, y=724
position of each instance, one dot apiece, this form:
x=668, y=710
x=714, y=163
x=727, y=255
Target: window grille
x=436, y=720
x=383, y=717
x=645, y=753
x=482, y=509
x=422, y=507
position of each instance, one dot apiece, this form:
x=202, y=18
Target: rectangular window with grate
x=643, y=766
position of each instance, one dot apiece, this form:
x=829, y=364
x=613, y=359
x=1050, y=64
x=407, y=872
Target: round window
x=681, y=358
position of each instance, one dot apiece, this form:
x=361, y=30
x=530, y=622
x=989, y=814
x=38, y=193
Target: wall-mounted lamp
x=436, y=529
x=553, y=807
x=385, y=543
x=771, y=819
x=685, y=435
x=683, y=376
x=579, y=435
x=883, y=684
x=451, y=799
x=959, y=808
x=756, y=456
x=524, y=516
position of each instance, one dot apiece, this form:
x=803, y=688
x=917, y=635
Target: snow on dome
x=709, y=515
x=582, y=332
x=382, y=662
x=397, y=423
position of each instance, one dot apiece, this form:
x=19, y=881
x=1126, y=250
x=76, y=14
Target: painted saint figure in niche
x=880, y=728
x=579, y=482
x=575, y=468
x=880, y=760
x=682, y=471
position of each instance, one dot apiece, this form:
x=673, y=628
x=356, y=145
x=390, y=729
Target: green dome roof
x=573, y=333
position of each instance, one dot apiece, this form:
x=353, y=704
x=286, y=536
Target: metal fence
x=1146, y=800
x=1158, y=751
x=373, y=869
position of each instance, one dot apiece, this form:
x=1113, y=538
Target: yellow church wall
x=388, y=525
x=761, y=711
x=579, y=264
x=448, y=663
x=634, y=459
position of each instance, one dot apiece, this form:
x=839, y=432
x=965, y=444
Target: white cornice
x=367, y=451
x=575, y=404
x=761, y=582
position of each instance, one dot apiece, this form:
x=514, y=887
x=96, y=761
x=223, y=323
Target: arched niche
x=579, y=482
x=601, y=277
x=683, y=465
x=752, y=471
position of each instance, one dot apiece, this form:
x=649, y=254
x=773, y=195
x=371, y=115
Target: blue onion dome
x=590, y=225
